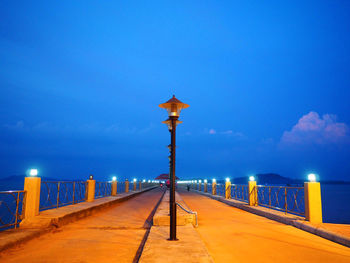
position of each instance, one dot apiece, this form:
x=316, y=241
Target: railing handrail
x=280, y=186
x=12, y=191
x=190, y=212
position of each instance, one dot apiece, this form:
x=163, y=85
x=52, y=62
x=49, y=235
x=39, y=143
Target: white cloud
x=313, y=129
x=212, y=131
x=18, y=125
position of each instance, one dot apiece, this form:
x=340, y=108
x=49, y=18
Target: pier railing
x=11, y=208
x=60, y=193
x=288, y=199
x=103, y=189
x=240, y=192
x=42, y=195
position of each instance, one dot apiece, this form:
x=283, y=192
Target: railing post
x=313, y=203
x=205, y=186
x=32, y=187
x=58, y=194
x=126, y=186
x=114, y=188
x=73, y=197
x=213, y=188
x=285, y=200
x=252, y=193
x=140, y=186
x=199, y=185
x=90, y=191
x=228, y=190
x=134, y=185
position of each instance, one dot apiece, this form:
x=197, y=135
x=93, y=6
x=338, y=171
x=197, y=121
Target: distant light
x=195, y=181
x=134, y=179
x=199, y=181
x=149, y=181
x=114, y=178
x=143, y=180
x=227, y=179
x=214, y=180
x=192, y=181
x=205, y=180
x=33, y=172
x=311, y=177
x=251, y=178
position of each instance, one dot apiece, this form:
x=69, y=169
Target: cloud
x=17, y=126
x=313, y=129
x=229, y=133
x=212, y=131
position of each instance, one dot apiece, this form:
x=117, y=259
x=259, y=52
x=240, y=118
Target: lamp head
x=174, y=106
x=205, y=180
x=214, y=180
x=311, y=177
x=251, y=178
x=91, y=177
x=33, y=172
x=227, y=179
x=134, y=180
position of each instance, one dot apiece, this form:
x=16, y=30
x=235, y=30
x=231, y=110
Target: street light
x=311, y=177
x=173, y=107
x=33, y=172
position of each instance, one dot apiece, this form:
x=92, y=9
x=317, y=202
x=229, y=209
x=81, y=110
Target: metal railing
x=103, y=189
x=190, y=212
x=240, y=192
x=220, y=189
x=59, y=193
x=120, y=187
x=12, y=205
x=283, y=198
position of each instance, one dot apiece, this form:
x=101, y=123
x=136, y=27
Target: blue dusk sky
x=268, y=83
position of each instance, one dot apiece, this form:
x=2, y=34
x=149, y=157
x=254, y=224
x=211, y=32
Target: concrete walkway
x=234, y=235
x=112, y=235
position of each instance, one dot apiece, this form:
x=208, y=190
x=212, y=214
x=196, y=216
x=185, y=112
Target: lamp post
x=174, y=107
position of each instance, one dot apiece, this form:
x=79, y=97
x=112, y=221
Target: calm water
x=336, y=203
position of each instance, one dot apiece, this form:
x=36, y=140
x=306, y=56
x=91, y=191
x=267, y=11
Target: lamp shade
x=174, y=106
x=168, y=123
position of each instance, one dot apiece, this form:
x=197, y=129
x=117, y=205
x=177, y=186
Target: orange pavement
x=233, y=235
x=112, y=235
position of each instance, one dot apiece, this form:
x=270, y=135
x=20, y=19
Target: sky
x=268, y=84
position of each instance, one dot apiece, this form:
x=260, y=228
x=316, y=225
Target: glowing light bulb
x=311, y=177
x=33, y=172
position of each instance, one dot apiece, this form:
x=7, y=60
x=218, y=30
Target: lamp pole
x=173, y=106
x=172, y=180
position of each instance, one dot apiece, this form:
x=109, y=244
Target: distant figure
x=167, y=183
x=188, y=187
